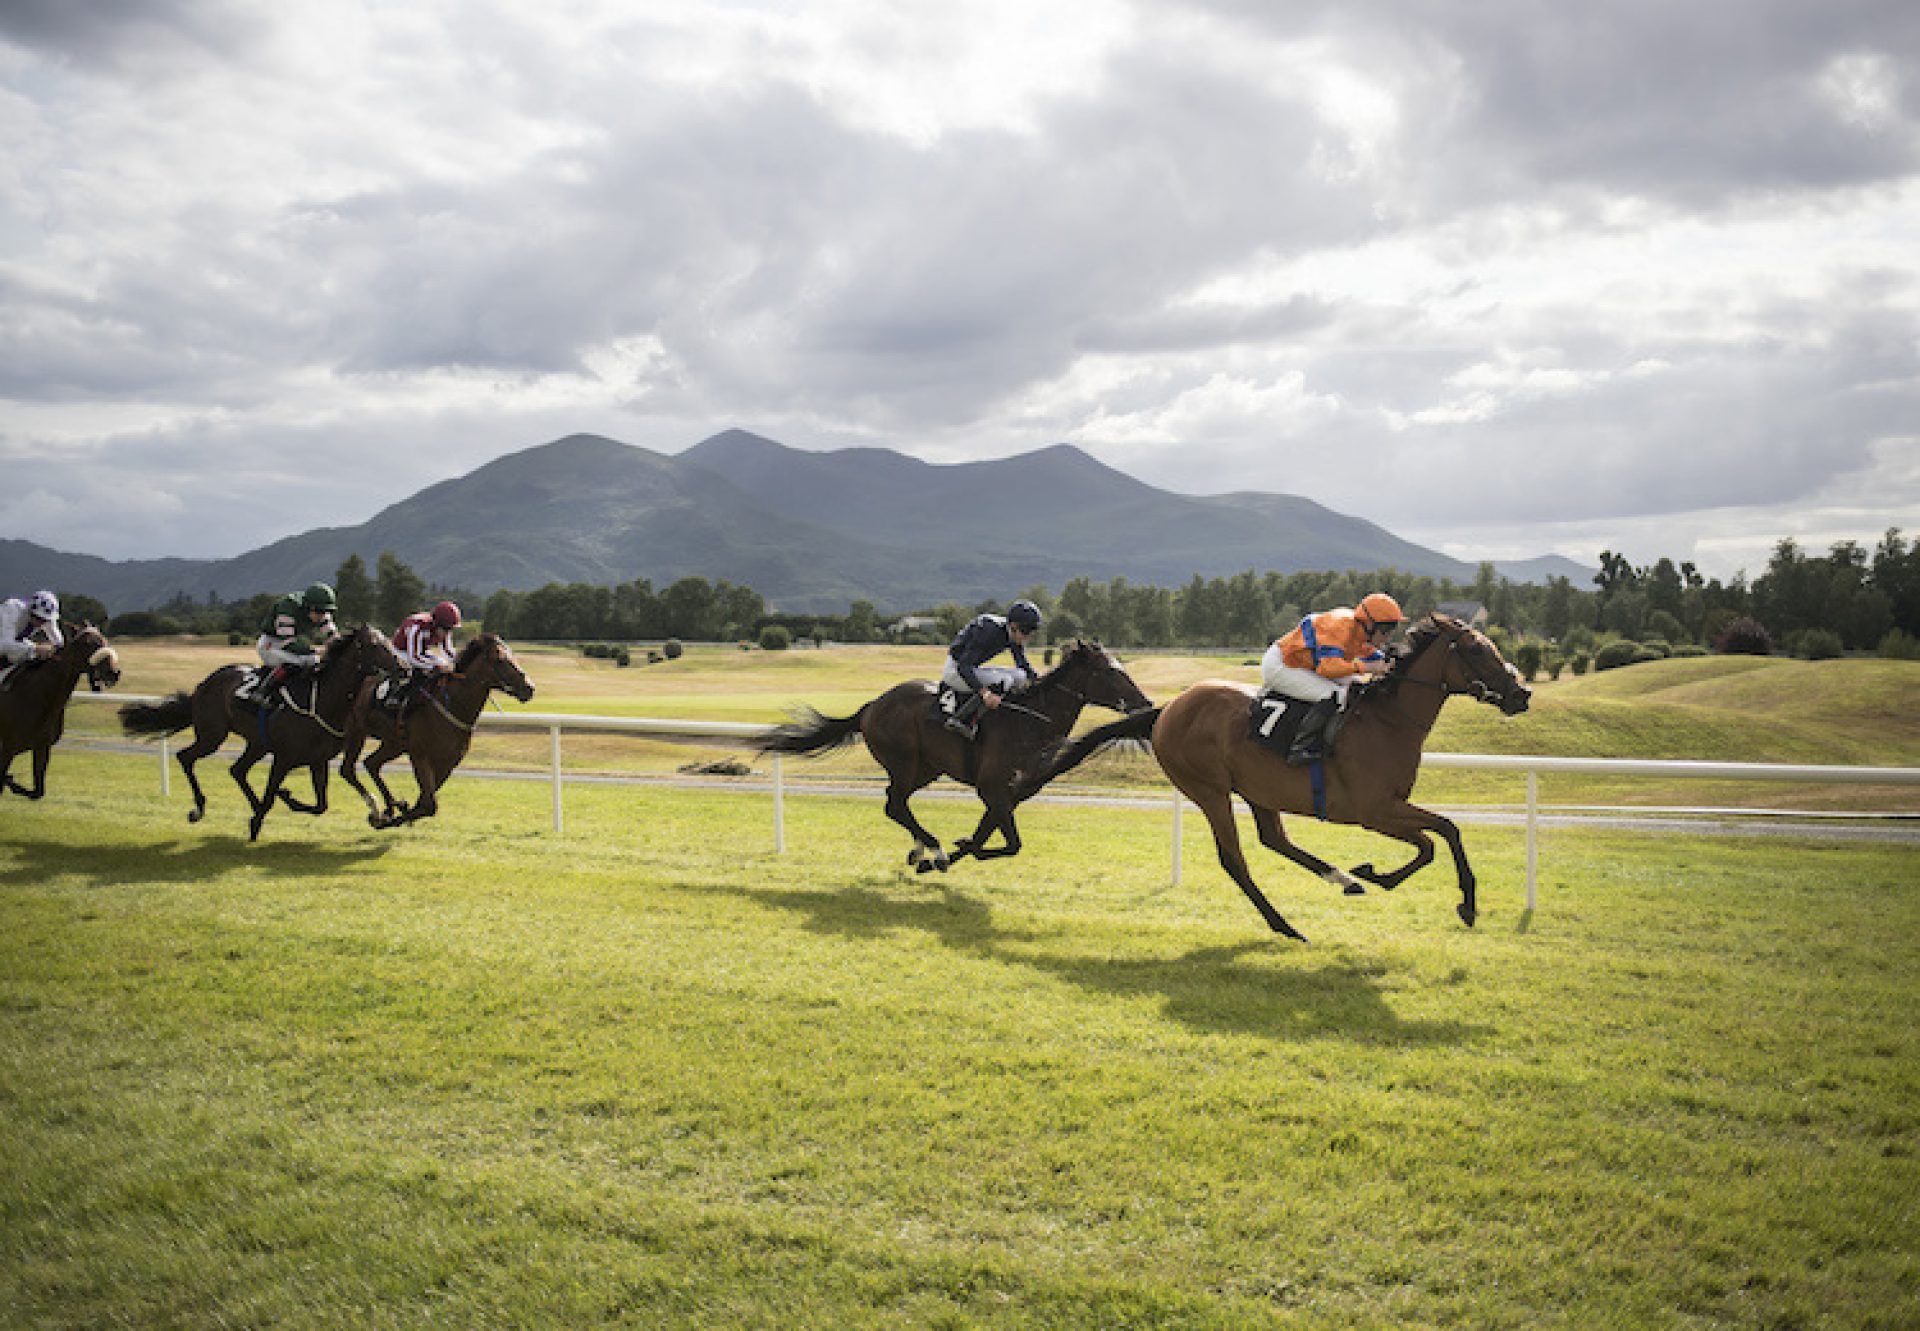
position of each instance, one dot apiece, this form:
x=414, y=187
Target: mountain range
x=812, y=532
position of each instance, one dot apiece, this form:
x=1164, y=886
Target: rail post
x=559, y=818
x=166, y=769
x=779, y=808
x=1179, y=803
x=1533, y=833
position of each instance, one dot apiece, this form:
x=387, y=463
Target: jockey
x=424, y=641
x=1319, y=661
x=980, y=684
x=22, y=621
x=291, y=635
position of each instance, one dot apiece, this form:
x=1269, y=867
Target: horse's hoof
x=195, y=815
x=1467, y=915
x=922, y=866
x=916, y=856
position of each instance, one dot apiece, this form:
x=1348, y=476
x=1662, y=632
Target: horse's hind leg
x=395, y=811
x=926, y=853
x=1274, y=837
x=1218, y=807
x=427, y=803
x=206, y=739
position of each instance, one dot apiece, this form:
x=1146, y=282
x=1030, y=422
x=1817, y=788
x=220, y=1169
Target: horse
x=434, y=735
x=33, y=701
x=906, y=737
x=1202, y=742
x=304, y=733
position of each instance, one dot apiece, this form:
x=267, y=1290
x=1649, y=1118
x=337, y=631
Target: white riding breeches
x=1293, y=682
x=1004, y=678
x=273, y=654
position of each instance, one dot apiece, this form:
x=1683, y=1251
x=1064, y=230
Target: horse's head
x=88, y=646
x=489, y=656
x=1093, y=672
x=1474, y=667
x=364, y=650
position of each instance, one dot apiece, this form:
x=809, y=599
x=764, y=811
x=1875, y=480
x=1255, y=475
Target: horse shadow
x=1217, y=990
x=36, y=862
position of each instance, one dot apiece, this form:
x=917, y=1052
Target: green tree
x=398, y=590
x=355, y=590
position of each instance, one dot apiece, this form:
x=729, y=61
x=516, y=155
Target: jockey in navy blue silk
x=967, y=672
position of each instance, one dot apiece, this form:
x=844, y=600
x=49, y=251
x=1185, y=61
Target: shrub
x=1745, y=636
x=621, y=656
x=1580, y=663
x=1527, y=660
x=1689, y=649
x=1554, y=667
x=775, y=638
x=1900, y=645
x=144, y=624
x=1816, y=644
x=1622, y=652
x=234, y=640
x=1660, y=648
x=673, y=649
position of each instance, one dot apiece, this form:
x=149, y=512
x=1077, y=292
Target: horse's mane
x=1425, y=633
x=473, y=650
x=340, y=644
x=1078, y=650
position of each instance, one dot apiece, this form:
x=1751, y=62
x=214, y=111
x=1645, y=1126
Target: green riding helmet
x=318, y=597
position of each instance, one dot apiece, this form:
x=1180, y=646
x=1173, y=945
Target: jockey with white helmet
x=21, y=622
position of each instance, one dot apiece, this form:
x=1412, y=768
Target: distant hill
x=810, y=531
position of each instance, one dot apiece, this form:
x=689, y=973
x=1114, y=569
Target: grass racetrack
x=650, y=1074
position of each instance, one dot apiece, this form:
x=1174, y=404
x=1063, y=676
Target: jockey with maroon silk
x=424, y=641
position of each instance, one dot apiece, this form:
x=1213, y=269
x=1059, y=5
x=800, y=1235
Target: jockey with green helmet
x=292, y=633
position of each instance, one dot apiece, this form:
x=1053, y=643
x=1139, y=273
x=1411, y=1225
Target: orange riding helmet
x=1380, y=611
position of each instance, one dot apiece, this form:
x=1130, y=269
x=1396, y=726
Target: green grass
x=651, y=1074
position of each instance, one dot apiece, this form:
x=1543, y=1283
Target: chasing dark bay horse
x=33, y=701
x=1201, y=740
x=434, y=733
x=305, y=729
x=914, y=746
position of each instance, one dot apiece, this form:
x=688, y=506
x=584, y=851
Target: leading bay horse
x=1201, y=740
x=906, y=737
x=433, y=733
x=305, y=730
x=33, y=701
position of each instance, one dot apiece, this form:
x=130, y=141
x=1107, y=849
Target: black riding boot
x=965, y=720
x=1309, y=741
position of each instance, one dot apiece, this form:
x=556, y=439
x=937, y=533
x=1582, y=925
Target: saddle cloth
x=1272, y=720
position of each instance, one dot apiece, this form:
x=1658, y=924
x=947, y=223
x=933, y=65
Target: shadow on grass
x=1212, y=990
x=35, y=862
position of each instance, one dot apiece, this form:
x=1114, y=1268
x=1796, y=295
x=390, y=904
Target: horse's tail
x=810, y=732
x=157, y=718
x=1061, y=758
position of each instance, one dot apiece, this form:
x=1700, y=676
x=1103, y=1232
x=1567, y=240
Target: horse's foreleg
x=318, y=771
x=1218, y=807
x=276, y=777
x=349, y=756
x=1411, y=823
x=394, y=810
x=427, y=803
x=1274, y=837
x=926, y=853
x=998, y=817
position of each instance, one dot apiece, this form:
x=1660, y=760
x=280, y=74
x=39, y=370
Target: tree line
x=1849, y=599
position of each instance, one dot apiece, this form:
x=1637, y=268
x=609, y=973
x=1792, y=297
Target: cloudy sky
x=1507, y=276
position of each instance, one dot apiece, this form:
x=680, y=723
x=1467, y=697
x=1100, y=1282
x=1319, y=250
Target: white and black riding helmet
x=44, y=605
x=1024, y=615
